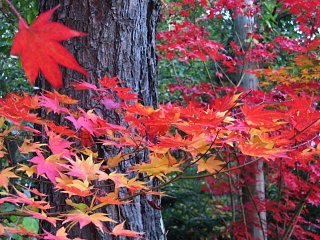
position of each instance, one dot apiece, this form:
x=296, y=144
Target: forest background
x=204, y=63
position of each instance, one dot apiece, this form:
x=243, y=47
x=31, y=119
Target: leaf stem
x=16, y=12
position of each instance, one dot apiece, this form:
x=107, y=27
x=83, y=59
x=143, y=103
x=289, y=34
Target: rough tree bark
x=120, y=42
x=254, y=192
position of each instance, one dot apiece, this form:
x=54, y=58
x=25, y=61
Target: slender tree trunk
x=254, y=192
x=120, y=42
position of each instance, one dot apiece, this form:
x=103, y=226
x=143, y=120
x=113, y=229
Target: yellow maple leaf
x=159, y=166
x=86, y=218
x=119, y=179
x=29, y=147
x=28, y=170
x=114, y=161
x=2, y=147
x=89, y=152
x=211, y=165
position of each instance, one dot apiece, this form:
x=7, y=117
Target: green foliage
x=190, y=213
x=31, y=224
x=12, y=78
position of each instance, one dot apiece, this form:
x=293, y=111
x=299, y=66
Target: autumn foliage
x=214, y=132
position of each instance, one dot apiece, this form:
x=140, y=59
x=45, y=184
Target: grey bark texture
x=254, y=192
x=120, y=42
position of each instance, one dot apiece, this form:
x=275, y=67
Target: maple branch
x=177, y=177
x=14, y=213
x=32, y=179
x=220, y=172
x=289, y=230
x=233, y=205
x=16, y=12
x=207, y=70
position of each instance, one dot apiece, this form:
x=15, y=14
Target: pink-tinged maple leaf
x=51, y=104
x=110, y=104
x=60, y=235
x=59, y=145
x=42, y=216
x=36, y=192
x=40, y=50
x=24, y=199
x=84, y=219
x=85, y=86
x=2, y=230
x=50, y=166
x=119, y=231
x=82, y=122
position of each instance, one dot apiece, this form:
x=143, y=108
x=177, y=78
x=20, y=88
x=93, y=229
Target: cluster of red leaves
x=282, y=127
x=307, y=12
x=187, y=37
x=187, y=41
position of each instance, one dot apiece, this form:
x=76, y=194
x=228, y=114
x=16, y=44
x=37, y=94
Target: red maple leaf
x=40, y=50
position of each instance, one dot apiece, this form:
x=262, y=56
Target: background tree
x=245, y=24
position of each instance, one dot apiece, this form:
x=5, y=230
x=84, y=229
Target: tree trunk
x=254, y=192
x=120, y=42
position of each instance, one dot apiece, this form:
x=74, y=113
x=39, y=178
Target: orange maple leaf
x=119, y=231
x=110, y=200
x=29, y=147
x=73, y=187
x=262, y=150
x=5, y=174
x=40, y=49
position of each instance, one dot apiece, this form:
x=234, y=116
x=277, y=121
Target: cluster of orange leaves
x=69, y=163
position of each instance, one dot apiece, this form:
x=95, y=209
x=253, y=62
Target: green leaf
x=7, y=207
x=31, y=224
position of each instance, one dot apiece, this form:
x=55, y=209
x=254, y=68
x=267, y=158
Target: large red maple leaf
x=40, y=50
